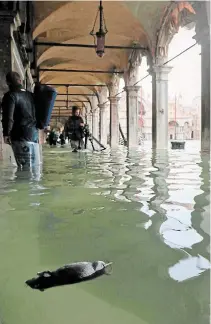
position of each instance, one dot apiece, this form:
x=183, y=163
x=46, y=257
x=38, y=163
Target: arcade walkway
x=51, y=42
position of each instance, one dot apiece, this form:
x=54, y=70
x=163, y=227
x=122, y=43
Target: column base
x=205, y=146
x=132, y=145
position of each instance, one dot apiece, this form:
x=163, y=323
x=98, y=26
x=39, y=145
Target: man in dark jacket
x=19, y=122
x=74, y=129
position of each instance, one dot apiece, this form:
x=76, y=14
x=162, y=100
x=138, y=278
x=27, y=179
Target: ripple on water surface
x=146, y=211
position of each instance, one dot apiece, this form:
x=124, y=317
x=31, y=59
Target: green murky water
x=148, y=212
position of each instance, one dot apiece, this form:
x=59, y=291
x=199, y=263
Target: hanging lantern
x=100, y=48
x=99, y=37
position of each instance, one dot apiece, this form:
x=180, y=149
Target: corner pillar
x=114, y=121
x=205, y=95
x=103, y=123
x=160, y=106
x=202, y=37
x=132, y=115
x=204, y=41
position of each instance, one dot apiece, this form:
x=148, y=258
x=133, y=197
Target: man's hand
x=7, y=140
x=82, y=124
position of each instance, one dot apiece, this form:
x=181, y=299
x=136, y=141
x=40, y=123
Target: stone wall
x=11, y=58
x=6, y=19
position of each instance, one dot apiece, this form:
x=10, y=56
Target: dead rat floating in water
x=69, y=274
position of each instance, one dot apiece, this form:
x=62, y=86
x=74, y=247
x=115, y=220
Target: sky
x=185, y=76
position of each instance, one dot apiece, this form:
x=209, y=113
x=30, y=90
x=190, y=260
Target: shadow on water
x=146, y=211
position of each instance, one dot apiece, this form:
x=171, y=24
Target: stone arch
x=176, y=14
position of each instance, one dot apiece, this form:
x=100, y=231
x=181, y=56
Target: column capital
x=114, y=100
x=132, y=88
x=164, y=69
x=95, y=111
x=103, y=105
x=157, y=68
x=161, y=72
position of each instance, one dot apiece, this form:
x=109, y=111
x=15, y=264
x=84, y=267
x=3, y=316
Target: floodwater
x=148, y=212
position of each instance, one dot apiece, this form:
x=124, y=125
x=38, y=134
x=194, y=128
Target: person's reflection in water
x=33, y=173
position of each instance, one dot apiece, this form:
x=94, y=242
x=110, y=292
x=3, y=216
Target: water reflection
x=146, y=211
x=201, y=212
x=166, y=190
x=12, y=173
x=189, y=268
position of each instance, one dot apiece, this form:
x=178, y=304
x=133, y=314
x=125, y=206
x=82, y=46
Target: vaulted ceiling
x=71, y=22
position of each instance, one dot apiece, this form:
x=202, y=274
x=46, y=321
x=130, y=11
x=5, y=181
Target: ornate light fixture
x=99, y=37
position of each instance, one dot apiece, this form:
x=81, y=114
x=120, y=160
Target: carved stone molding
x=132, y=91
x=103, y=105
x=103, y=94
x=134, y=62
x=114, y=85
x=177, y=14
x=161, y=72
x=114, y=100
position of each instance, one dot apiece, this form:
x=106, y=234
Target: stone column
x=103, y=123
x=88, y=112
x=95, y=117
x=89, y=120
x=203, y=38
x=160, y=106
x=114, y=121
x=95, y=123
x=205, y=94
x=132, y=115
x=83, y=113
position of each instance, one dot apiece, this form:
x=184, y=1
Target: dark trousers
x=52, y=142
x=77, y=144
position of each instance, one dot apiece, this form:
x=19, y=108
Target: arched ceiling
x=71, y=22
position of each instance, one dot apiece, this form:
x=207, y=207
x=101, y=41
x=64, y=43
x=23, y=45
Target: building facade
x=184, y=121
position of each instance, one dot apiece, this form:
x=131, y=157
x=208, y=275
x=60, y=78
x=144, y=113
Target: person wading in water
x=19, y=123
x=74, y=129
